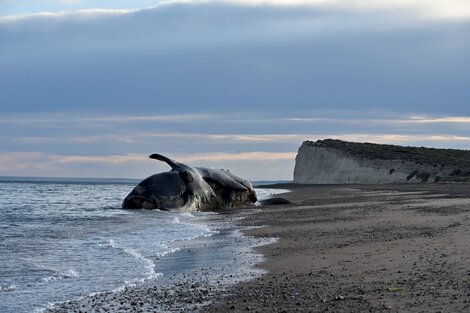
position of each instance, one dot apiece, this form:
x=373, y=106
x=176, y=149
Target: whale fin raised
x=163, y=158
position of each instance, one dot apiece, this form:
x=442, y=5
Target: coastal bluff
x=333, y=161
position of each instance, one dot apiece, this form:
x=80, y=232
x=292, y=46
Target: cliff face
x=339, y=162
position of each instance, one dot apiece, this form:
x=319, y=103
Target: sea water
x=64, y=240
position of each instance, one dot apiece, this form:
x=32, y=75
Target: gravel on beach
x=390, y=248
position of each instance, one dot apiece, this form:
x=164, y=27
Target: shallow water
x=62, y=241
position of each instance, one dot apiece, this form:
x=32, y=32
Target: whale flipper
x=222, y=177
x=163, y=158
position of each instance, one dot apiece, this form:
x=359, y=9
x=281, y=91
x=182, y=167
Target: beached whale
x=186, y=188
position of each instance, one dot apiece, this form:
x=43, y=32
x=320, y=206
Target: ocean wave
x=169, y=251
x=70, y=273
x=51, y=279
x=8, y=288
x=203, y=232
x=199, y=230
x=151, y=273
x=187, y=214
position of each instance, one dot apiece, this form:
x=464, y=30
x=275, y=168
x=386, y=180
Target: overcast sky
x=91, y=88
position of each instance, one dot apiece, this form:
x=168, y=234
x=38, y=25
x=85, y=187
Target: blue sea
x=62, y=240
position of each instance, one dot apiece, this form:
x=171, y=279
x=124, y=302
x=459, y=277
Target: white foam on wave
x=151, y=273
x=8, y=288
x=51, y=279
x=57, y=273
x=189, y=220
x=169, y=251
x=70, y=273
x=187, y=214
x=209, y=233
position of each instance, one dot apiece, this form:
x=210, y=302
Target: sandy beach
x=391, y=248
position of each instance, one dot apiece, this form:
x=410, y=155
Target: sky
x=91, y=88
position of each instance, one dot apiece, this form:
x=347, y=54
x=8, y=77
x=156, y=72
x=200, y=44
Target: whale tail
x=163, y=158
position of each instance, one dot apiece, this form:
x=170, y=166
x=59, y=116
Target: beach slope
x=365, y=248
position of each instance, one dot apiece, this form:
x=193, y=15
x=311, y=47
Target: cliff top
x=419, y=155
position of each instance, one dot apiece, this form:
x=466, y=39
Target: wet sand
x=392, y=248
x=200, y=271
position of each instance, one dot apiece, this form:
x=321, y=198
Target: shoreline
x=339, y=248
x=199, y=271
x=360, y=248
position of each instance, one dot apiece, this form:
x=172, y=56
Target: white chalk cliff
x=338, y=162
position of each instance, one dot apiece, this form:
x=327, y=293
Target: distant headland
x=333, y=161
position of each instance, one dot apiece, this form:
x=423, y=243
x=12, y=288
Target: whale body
x=186, y=188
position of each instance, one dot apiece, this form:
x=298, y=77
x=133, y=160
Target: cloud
x=436, y=120
x=254, y=117
x=108, y=159
x=296, y=139
x=87, y=121
x=64, y=15
x=252, y=155
x=396, y=120
x=217, y=57
x=17, y=162
x=152, y=118
x=69, y=1
x=128, y=165
x=244, y=156
x=215, y=157
x=399, y=139
x=209, y=132
x=254, y=164
x=430, y=8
